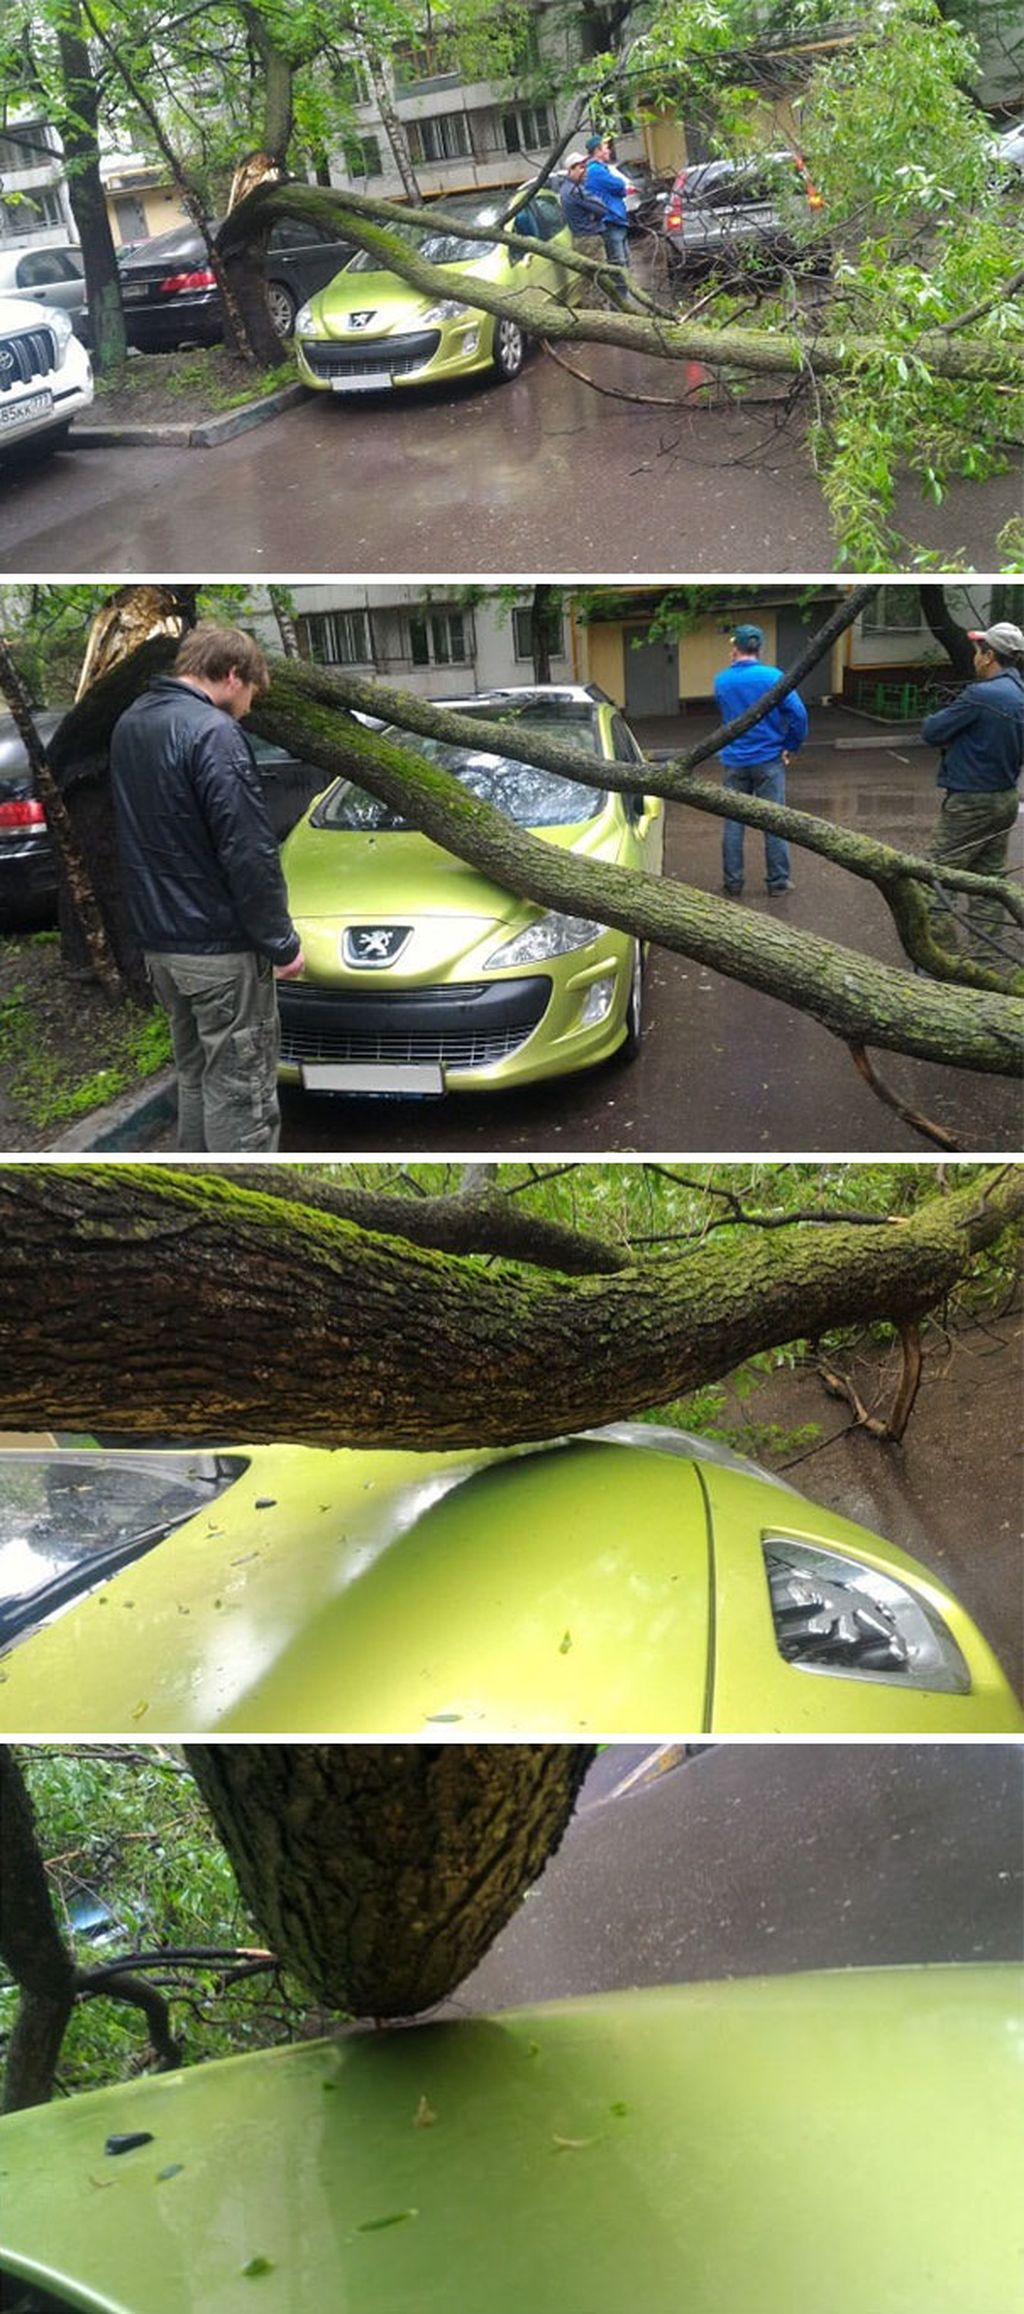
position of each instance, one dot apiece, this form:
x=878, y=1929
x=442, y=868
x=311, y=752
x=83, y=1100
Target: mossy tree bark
x=162, y=1298
x=380, y=1873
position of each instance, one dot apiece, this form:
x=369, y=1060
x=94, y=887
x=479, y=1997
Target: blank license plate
x=363, y=382
x=21, y=413
x=421, y=1078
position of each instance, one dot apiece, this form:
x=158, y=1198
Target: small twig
x=912, y=1117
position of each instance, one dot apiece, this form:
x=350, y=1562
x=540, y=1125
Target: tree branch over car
x=169, y=1298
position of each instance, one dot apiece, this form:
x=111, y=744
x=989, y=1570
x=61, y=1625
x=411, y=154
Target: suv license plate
x=22, y=413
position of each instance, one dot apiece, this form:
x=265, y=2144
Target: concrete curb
x=206, y=436
x=125, y=1123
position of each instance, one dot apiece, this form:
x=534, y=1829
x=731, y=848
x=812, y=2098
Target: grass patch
x=64, y=1050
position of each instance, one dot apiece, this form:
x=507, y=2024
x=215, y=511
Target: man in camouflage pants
x=981, y=735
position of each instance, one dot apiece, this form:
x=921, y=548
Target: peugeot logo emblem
x=362, y=319
x=374, y=946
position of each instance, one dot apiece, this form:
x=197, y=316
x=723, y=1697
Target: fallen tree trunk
x=159, y=1298
x=381, y=1873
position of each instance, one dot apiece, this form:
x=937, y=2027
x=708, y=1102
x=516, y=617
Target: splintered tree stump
x=381, y=1873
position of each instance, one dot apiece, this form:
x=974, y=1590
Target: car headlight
x=307, y=323
x=551, y=935
x=834, y=1614
x=62, y=328
x=447, y=309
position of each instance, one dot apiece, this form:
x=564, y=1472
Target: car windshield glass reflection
x=527, y=796
x=439, y=248
x=67, y=1519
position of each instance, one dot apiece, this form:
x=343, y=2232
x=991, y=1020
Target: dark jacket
x=201, y=868
x=981, y=735
x=583, y=212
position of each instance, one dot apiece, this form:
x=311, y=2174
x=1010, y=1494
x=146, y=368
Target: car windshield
x=440, y=248
x=68, y=1518
x=527, y=796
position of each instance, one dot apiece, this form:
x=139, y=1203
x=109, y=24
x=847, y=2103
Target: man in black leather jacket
x=204, y=887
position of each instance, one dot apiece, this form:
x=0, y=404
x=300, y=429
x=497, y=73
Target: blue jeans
x=768, y=782
x=614, y=237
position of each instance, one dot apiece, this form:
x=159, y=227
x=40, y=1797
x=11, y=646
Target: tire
x=630, y=1045
x=282, y=308
x=509, y=349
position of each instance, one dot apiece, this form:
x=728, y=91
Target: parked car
x=635, y=1577
x=369, y=330
x=28, y=876
x=45, y=375
x=1008, y=149
x=735, y=214
x=53, y=276
x=850, y=2140
x=170, y=294
x=421, y=974
x=28, y=871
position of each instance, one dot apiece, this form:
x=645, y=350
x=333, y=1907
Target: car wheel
x=282, y=307
x=634, y=1010
x=509, y=351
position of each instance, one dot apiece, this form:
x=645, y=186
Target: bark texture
x=31, y=1948
x=138, y=1298
x=380, y=1873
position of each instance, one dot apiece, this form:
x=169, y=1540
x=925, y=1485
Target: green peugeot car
x=421, y=975
x=631, y=1580
x=850, y=2142
x=369, y=330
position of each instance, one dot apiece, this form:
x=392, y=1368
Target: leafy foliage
x=130, y=1857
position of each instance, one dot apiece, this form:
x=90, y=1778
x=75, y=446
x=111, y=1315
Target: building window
x=27, y=212
x=338, y=638
x=443, y=137
x=417, y=62
x=362, y=155
x=30, y=147
x=529, y=128
x=440, y=638
x=894, y=611
x=522, y=639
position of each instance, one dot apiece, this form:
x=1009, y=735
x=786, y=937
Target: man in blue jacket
x=610, y=186
x=755, y=764
x=981, y=735
x=204, y=889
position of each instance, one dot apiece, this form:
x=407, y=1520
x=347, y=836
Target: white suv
x=45, y=374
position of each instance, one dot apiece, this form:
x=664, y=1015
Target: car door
x=53, y=275
x=542, y=219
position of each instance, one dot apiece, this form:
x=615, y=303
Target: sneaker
x=733, y=891
x=775, y=891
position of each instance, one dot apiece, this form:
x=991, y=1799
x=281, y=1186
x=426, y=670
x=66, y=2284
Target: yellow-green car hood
x=847, y=2143
x=335, y=872
x=591, y=1587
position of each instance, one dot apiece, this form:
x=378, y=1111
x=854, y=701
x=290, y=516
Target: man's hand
x=290, y=971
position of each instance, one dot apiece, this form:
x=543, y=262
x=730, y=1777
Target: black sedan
x=28, y=872
x=170, y=295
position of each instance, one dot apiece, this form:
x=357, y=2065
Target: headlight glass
x=307, y=323
x=447, y=309
x=63, y=330
x=834, y=1614
x=551, y=935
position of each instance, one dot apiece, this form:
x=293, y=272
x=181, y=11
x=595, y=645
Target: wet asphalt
x=542, y=476
x=753, y=1859
x=722, y=1067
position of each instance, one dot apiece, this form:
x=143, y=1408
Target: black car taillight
x=24, y=812
x=203, y=277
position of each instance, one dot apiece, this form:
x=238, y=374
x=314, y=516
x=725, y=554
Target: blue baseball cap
x=748, y=638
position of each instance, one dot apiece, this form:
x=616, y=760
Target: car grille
x=398, y=355
x=32, y=354
x=471, y=1027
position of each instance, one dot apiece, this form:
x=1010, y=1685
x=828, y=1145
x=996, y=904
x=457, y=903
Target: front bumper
x=480, y=1035
x=34, y=405
x=354, y=364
